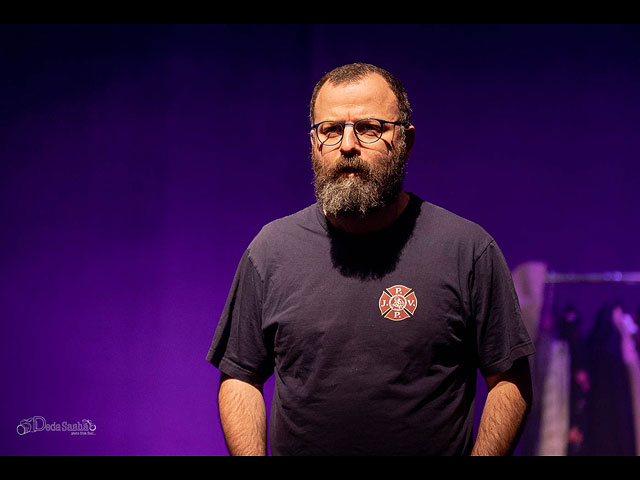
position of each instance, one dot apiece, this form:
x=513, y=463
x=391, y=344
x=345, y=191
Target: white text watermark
x=39, y=424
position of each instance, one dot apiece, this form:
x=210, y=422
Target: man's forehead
x=371, y=93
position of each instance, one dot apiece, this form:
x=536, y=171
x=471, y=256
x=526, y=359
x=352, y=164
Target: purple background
x=135, y=170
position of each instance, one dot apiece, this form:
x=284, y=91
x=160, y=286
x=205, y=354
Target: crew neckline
x=410, y=209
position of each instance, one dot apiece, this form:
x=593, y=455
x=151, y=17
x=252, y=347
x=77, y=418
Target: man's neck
x=374, y=221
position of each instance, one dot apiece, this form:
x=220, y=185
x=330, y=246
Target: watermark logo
x=39, y=424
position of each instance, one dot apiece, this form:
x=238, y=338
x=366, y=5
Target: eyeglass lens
x=367, y=130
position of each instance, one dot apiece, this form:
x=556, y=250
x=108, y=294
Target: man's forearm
x=502, y=419
x=243, y=417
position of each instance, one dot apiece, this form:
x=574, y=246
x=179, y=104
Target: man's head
x=359, y=173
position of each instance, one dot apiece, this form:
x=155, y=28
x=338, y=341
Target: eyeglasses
x=367, y=130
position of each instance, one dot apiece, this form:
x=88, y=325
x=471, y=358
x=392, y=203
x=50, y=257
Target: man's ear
x=314, y=139
x=409, y=139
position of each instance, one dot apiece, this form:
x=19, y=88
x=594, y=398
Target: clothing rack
x=629, y=278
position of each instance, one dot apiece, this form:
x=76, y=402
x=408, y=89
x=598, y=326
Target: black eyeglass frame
x=382, y=124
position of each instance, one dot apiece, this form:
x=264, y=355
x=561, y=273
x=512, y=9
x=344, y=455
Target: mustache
x=353, y=164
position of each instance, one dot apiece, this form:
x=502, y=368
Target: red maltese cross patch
x=398, y=302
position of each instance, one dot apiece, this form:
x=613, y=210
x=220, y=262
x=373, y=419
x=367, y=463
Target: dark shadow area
x=373, y=255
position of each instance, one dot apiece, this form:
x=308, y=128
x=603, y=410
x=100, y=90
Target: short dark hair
x=354, y=72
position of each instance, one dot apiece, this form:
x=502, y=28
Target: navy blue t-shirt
x=374, y=339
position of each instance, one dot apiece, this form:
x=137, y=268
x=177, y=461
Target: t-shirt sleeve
x=239, y=348
x=501, y=337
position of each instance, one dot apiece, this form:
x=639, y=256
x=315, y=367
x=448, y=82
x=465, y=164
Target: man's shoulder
x=451, y=234
x=282, y=232
x=305, y=218
x=451, y=226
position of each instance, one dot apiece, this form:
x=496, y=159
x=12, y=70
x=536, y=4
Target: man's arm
x=243, y=417
x=508, y=403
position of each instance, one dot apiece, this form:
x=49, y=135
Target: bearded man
x=373, y=308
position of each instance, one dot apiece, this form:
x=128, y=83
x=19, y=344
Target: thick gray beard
x=375, y=187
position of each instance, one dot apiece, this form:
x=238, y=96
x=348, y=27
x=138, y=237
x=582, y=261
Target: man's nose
x=349, y=142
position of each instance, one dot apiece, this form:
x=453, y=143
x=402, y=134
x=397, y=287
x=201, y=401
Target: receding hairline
x=328, y=86
x=356, y=73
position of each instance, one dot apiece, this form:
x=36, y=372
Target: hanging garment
x=628, y=331
x=554, y=422
x=610, y=422
x=529, y=282
x=570, y=329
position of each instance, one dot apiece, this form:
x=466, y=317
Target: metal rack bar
x=630, y=278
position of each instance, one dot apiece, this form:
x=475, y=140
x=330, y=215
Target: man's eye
x=369, y=128
x=331, y=130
